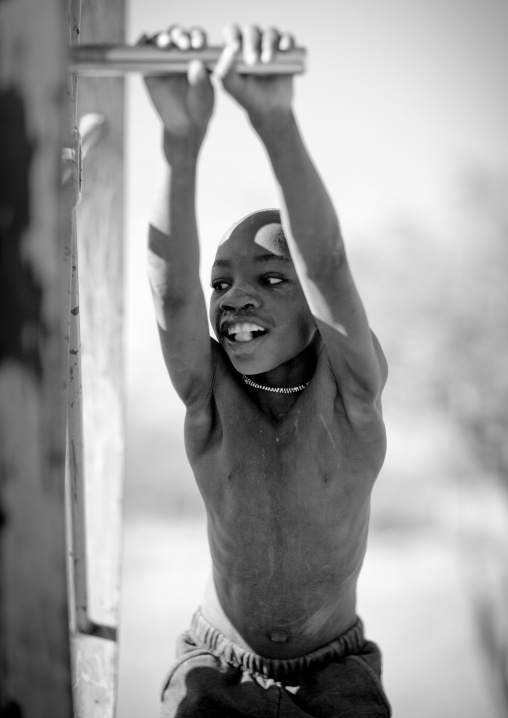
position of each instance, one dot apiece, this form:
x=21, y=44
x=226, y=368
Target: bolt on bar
x=147, y=59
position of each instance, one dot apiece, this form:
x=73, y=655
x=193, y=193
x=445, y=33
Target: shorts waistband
x=207, y=636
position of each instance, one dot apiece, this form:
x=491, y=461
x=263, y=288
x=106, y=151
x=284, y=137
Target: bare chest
x=311, y=459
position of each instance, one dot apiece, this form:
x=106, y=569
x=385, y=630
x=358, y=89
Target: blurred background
x=404, y=108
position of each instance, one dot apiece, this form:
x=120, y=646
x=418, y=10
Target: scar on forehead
x=271, y=236
x=263, y=227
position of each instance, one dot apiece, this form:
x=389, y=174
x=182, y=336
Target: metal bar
x=148, y=59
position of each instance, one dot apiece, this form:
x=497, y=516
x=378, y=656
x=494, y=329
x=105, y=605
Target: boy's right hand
x=184, y=103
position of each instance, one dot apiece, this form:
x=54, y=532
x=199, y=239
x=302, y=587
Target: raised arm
x=310, y=222
x=185, y=106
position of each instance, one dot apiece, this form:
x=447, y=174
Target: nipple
x=279, y=637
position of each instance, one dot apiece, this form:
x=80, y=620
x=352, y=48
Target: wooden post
x=100, y=314
x=42, y=365
x=35, y=671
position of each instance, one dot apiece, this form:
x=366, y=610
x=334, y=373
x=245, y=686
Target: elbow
x=165, y=294
x=329, y=263
x=167, y=300
x=159, y=283
x=166, y=285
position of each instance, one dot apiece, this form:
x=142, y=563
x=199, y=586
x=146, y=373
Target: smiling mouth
x=242, y=332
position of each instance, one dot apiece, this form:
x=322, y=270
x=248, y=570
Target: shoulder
x=201, y=401
x=203, y=413
x=221, y=413
x=200, y=414
x=360, y=404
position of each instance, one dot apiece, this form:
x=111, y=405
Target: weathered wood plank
x=100, y=242
x=100, y=312
x=35, y=672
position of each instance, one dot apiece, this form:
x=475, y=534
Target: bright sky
x=400, y=98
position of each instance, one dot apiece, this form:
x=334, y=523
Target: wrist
x=274, y=123
x=181, y=149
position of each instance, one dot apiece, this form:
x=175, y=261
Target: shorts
x=215, y=678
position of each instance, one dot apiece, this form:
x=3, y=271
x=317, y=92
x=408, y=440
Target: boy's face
x=258, y=310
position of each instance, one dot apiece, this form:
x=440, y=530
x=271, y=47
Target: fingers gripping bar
x=150, y=60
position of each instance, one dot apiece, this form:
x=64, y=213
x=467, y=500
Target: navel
x=279, y=636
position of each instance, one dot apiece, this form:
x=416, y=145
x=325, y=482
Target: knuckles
x=177, y=37
x=254, y=43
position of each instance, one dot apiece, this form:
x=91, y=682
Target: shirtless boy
x=283, y=427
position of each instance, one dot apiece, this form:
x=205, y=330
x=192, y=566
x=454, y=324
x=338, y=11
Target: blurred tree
x=440, y=305
x=478, y=393
x=441, y=308
x=478, y=340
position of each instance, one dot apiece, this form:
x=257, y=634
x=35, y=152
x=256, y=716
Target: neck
x=276, y=406
x=295, y=372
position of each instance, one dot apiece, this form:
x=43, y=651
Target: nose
x=239, y=298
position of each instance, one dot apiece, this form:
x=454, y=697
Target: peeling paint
x=35, y=661
x=11, y=710
x=20, y=292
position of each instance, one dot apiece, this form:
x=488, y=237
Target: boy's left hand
x=263, y=97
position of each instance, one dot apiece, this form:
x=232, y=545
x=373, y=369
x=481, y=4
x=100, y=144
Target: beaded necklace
x=276, y=389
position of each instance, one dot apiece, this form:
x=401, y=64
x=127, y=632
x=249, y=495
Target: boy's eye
x=273, y=280
x=219, y=285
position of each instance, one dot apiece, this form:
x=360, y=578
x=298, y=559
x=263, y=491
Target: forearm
x=308, y=212
x=173, y=245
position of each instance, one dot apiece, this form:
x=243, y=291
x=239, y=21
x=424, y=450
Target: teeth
x=244, y=327
x=242, y=331
x=243, y=337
